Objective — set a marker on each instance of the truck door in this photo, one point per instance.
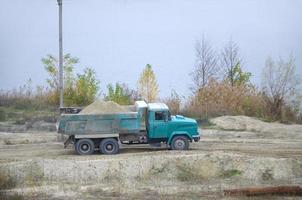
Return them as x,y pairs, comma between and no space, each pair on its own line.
159,124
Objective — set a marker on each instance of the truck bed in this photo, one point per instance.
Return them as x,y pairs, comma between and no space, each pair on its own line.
76,124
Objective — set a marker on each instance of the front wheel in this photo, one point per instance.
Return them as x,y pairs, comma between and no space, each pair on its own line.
180,143
109,146
84,147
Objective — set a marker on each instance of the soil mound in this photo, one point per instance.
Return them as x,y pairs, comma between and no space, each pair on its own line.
105,107
244,123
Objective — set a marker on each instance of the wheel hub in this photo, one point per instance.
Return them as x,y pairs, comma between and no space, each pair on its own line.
85,147
109,147
180,144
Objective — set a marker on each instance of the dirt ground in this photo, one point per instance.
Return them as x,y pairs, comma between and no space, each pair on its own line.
35,165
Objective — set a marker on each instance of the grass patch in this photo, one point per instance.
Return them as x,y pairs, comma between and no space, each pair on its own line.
6,196
230,173
35,177
20,121
20,115
7,141
186,173
26,141
268,175
159,170
2,115
6,181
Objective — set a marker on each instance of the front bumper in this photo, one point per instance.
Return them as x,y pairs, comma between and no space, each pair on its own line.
196,138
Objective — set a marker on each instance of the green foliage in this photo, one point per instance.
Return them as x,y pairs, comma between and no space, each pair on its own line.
2,115
78,90
230,173
268,175
6,180
147,84
87,87
240,77
51,65
118,94
185,173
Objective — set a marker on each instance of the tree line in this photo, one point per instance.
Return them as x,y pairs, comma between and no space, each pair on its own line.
220,86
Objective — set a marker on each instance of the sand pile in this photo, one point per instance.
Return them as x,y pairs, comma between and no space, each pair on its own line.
244,123
105,107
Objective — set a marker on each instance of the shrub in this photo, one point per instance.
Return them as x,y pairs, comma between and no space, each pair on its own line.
174,103
2,115
220,98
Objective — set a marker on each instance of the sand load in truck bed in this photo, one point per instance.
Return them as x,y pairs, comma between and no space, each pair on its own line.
106,107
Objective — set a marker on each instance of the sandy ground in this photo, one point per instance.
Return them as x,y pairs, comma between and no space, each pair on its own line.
36,165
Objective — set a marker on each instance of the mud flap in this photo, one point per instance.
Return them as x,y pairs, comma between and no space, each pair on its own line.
68,141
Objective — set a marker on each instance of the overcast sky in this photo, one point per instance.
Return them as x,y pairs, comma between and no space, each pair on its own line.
118,38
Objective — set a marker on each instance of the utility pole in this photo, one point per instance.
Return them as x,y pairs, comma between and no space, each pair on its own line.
61,55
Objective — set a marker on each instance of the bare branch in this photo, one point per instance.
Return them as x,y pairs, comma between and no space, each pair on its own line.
229,59
205,64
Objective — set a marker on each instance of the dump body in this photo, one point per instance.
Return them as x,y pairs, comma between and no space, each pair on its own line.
78,124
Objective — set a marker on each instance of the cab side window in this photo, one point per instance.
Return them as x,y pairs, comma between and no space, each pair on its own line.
159,115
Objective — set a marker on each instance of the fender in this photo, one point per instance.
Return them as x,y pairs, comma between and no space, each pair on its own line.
179,133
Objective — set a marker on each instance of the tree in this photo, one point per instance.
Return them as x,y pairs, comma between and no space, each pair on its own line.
206,64
87,87
133,94
118,94
51,65
147,85
240,77
80,90
280,85
230,59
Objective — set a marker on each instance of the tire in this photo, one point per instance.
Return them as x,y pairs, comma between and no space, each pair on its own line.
109,146
180,143
84,147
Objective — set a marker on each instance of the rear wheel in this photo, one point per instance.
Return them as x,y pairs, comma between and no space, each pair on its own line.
84,146
180,143
109,146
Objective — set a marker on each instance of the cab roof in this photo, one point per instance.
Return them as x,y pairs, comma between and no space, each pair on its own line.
157,106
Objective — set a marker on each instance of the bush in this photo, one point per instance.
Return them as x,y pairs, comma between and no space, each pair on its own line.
220,98
174,103
2,115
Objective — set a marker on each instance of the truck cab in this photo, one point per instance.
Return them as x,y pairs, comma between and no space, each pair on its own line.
176,131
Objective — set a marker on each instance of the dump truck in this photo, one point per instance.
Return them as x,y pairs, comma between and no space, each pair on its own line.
149,123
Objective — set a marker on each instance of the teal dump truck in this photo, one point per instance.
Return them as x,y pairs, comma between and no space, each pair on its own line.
147,124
